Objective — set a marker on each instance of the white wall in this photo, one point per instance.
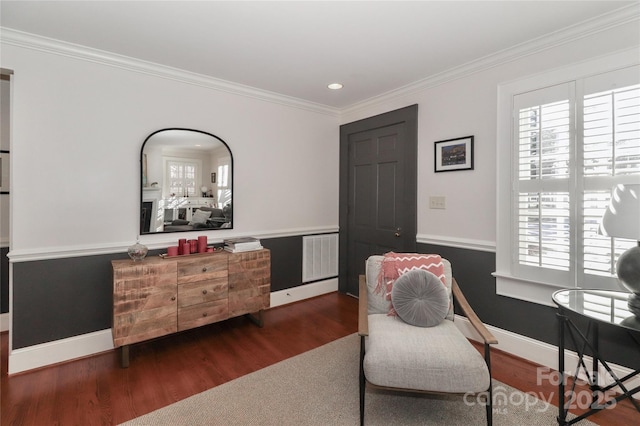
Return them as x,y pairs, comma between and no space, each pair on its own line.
467,105
79,126
77,132
155,166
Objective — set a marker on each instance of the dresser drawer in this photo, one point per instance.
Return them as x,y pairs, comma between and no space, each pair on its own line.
202,291
199,268
202,313
144,300
143,325
249,300
249,270
131,276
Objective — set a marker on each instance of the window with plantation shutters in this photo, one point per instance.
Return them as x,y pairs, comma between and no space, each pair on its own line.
543,204
543,135
224,185
610,154
182,177
570,144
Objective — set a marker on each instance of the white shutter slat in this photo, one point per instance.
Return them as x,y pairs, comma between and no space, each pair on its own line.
544,141
600,252
612,132
544,230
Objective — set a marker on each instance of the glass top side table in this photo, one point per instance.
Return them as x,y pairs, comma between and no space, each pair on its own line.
600,305
597,307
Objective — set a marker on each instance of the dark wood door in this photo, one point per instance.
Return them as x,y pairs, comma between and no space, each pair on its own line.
377,190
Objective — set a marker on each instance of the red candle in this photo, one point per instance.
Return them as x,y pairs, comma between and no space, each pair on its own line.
172,250
181,244
202,244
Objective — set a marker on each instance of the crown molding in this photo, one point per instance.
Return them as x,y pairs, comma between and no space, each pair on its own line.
56,47
613,19
575,32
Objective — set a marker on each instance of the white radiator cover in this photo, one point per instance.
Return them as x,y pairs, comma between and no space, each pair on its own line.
319,257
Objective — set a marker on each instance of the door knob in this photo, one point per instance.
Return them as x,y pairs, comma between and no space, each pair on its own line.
398,232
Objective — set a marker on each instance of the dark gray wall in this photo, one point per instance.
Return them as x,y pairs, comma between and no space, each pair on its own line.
472,269
286,262
61,298
56,299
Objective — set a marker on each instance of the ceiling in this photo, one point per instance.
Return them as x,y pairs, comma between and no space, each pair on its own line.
296,48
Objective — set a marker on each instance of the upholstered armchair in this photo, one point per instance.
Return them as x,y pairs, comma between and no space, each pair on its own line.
429,356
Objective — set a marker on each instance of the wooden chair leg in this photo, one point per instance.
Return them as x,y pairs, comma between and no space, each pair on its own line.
362,381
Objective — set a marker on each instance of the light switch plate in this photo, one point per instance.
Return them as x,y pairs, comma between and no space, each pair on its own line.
437,202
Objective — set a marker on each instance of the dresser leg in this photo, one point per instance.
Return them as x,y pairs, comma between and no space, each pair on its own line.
124,356
256,319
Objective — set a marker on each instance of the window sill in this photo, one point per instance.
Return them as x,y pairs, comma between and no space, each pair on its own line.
540,292
527,290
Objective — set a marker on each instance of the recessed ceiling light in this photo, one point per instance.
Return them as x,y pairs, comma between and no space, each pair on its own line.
335,86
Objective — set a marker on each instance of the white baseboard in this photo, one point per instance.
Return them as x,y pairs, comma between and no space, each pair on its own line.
60,350
5,322
542,353
295,294
92,343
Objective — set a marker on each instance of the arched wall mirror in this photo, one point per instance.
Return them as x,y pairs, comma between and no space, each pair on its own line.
186,182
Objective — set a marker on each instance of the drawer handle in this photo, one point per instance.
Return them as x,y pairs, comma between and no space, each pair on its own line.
204,269
204,315
204,291
173,298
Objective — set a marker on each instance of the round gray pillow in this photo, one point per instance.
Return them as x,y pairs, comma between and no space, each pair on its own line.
420,298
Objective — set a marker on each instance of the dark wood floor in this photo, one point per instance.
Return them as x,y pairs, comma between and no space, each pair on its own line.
96,391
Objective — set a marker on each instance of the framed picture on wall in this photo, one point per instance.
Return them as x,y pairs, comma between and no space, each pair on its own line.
4,172
454,154
213,178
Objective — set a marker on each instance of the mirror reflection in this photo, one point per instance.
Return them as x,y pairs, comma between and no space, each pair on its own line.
186,182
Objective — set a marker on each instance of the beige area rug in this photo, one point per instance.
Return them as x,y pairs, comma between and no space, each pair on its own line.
320,387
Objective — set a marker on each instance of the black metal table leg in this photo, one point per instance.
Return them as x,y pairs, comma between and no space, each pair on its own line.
562,413
595,387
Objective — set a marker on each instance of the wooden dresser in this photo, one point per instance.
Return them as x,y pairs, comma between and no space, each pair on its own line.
155,297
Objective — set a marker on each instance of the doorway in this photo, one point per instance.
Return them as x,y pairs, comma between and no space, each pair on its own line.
378,190
5,197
